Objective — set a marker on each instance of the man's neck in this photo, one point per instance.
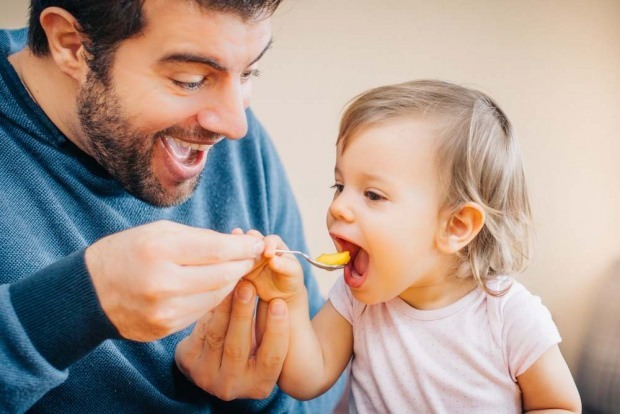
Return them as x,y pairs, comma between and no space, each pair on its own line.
51,89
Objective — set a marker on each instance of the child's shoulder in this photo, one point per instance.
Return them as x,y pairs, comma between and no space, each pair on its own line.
518,312
523,326
511,294
517,308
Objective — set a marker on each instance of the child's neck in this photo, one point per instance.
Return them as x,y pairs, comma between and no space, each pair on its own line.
439,294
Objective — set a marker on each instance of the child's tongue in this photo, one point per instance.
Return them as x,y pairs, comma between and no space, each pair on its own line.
355,274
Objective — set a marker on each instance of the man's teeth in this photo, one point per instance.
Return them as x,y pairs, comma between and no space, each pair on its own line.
197,147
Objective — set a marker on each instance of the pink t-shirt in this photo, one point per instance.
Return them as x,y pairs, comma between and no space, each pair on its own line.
463,358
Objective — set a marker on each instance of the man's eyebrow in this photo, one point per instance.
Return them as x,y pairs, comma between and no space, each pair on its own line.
193,58
260,55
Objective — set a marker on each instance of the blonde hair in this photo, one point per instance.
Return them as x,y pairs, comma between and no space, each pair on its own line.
478,159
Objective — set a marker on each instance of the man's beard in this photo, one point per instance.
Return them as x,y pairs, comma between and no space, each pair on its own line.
124,151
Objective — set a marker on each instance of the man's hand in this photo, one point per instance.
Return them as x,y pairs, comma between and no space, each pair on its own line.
156,279
220,354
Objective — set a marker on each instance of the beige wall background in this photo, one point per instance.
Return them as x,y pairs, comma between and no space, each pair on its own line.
554,67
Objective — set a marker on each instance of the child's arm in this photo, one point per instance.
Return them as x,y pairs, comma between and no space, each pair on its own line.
548,386
318,350
318,353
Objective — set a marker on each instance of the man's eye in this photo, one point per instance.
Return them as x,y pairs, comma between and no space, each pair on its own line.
372,196
189,86
249,74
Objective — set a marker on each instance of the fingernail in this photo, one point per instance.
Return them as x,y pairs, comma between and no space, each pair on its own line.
278,309
259,247
244,293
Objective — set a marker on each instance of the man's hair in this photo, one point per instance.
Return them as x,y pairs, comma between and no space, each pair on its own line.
478,160
106,23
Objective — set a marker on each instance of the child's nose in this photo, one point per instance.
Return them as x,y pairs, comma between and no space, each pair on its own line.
340,209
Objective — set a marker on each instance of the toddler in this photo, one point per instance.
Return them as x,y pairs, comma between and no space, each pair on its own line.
430,200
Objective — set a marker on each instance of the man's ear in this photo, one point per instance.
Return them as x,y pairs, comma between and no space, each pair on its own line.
65,42
459,228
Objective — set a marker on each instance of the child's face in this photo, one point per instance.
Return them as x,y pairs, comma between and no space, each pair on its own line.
386,209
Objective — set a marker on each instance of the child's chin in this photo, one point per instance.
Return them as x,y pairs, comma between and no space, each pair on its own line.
366,298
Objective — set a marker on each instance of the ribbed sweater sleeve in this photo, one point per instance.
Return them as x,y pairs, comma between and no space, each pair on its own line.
47,321
60,312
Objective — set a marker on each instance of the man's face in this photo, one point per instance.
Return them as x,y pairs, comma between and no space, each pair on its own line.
174,91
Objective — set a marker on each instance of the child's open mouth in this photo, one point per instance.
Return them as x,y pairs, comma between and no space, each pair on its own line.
356,271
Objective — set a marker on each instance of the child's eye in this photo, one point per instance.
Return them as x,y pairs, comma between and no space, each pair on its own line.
337,188
373,196
190,86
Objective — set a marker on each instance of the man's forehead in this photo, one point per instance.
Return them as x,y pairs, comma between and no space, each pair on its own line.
177,29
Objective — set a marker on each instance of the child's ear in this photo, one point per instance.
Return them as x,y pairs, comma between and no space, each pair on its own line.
460,228
65,42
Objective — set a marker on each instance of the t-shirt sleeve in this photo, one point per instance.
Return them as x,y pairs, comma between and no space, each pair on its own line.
528,329
341,298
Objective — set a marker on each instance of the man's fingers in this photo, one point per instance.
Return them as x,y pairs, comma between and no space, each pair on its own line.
261,320
189,350
199,333
215,333
194,306
238,344
273,347
195,246
197,279
255,233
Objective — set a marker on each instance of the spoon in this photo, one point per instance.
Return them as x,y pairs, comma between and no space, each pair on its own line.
311,260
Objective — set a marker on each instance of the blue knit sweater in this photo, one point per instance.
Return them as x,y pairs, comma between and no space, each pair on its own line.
58,351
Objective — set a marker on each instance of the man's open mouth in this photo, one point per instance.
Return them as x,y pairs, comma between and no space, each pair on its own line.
184,160
185,152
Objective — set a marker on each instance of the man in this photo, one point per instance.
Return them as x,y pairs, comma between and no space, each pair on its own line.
116,231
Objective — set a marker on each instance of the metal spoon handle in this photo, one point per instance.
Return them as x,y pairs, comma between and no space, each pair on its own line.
311,260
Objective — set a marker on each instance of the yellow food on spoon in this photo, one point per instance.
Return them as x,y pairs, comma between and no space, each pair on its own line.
340,258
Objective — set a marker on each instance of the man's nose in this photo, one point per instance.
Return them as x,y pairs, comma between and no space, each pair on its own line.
224,113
